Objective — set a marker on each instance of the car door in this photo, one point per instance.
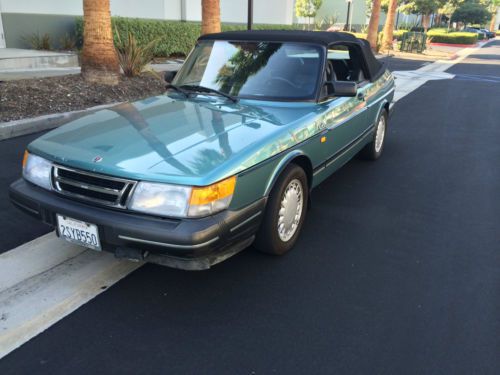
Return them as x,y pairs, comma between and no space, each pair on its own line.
346,119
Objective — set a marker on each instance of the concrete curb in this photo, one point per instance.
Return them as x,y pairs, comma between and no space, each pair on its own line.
17,128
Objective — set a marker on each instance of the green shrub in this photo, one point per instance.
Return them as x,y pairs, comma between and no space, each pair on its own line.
438,30
67,42
359,35
37,41
398,35
133,57
452,38
172,37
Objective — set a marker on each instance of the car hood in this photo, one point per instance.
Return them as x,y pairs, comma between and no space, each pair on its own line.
166,138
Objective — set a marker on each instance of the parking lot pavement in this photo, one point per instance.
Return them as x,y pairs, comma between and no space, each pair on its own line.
394,63
16,227
396,270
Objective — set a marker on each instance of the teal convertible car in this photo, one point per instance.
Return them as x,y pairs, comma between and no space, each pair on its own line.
227,157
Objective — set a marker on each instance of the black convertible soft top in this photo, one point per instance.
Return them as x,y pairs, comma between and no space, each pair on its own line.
325,38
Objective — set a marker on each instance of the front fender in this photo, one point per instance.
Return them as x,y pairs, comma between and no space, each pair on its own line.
284,162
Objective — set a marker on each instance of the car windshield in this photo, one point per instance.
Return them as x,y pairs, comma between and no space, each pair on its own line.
257,70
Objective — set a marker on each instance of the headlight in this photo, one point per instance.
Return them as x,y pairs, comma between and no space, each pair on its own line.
37,170
182,201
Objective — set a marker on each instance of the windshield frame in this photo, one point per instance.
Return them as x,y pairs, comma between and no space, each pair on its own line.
319,77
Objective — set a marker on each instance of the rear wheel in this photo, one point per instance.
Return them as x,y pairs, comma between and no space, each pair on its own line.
285,212
374,149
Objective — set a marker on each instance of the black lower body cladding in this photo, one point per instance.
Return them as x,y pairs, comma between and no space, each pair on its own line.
191,244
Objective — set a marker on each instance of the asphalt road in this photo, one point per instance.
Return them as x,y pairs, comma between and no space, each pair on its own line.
396,270
17,228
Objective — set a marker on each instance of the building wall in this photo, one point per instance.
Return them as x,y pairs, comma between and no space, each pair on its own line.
235,11
18,26
338,9
265,11
56,17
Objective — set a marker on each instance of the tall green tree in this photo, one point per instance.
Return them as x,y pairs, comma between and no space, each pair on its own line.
424,7
471,12
307,9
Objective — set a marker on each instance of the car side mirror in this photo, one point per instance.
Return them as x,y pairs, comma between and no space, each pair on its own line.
342,88
170,75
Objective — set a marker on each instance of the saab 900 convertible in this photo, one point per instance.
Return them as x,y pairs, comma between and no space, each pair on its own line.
225,158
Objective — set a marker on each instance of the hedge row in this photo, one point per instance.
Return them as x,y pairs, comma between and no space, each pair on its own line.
173,37
452,38
397,34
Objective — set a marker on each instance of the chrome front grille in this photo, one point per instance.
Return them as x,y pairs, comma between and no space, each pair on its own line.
93,187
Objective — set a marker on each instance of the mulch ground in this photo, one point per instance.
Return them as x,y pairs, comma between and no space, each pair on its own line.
34,97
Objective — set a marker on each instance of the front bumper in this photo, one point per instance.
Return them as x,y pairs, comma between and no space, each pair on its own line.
191,244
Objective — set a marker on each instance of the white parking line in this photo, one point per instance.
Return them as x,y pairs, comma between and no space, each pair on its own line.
409,81
56,279
46,279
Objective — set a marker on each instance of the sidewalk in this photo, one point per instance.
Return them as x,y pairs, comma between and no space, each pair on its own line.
23,73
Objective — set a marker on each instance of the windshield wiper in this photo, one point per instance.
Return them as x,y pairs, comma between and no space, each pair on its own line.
198,88
177,88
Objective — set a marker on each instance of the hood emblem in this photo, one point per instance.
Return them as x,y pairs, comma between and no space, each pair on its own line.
97,159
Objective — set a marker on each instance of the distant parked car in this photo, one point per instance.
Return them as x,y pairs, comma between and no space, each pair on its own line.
251,123
488,33
476,31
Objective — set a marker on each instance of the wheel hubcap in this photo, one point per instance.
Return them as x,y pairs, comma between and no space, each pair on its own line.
290,210
379,137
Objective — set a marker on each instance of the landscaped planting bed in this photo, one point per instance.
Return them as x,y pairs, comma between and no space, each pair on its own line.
34,97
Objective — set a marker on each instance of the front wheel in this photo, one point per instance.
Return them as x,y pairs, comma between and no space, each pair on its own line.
285,212
373,150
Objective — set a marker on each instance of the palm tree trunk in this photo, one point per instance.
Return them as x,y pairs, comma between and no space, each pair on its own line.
210,16
426,18
373,24
99,59
389,26
493,19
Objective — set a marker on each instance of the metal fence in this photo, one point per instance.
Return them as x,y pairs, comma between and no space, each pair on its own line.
413,42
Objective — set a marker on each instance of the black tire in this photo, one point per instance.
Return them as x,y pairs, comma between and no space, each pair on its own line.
268,240
370,151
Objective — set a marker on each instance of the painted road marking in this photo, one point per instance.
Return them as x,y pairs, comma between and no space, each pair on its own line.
44,293
409,81
46,279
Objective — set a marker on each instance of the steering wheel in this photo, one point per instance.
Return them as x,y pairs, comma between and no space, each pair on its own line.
281,79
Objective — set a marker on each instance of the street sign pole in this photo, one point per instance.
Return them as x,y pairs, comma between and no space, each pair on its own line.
348,21
250,14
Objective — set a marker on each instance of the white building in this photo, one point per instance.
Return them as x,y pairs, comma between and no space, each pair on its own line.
56,17
22,17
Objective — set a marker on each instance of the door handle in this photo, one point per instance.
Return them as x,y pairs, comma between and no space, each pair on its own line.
361,96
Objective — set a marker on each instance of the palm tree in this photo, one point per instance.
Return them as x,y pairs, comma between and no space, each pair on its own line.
210,16
389,26
373,24
99,59
494,9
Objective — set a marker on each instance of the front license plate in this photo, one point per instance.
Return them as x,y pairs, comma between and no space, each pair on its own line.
78,232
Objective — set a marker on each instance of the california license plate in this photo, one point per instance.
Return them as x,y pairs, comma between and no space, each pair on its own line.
78,232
